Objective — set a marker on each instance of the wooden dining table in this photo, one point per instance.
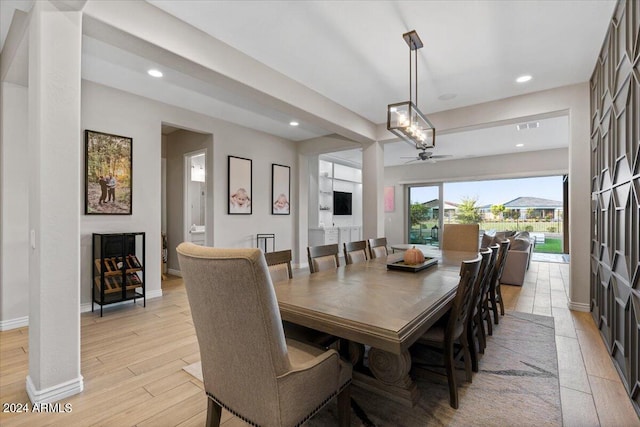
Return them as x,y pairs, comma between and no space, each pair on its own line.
371,305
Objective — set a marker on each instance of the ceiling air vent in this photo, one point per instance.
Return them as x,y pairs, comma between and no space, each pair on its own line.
530,125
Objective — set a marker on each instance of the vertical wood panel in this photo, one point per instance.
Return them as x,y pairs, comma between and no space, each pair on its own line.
615,172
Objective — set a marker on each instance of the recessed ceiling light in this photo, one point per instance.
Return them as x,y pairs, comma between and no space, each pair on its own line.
293,123
524,78
519,145
447,96
155,73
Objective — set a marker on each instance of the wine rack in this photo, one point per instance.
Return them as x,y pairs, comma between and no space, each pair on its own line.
118,268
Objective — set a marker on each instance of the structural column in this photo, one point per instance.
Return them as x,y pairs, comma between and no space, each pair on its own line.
372,190
54,202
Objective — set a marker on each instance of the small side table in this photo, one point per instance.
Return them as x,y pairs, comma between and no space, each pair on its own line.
263,241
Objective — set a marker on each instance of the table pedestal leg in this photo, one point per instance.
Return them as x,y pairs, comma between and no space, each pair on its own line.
391,376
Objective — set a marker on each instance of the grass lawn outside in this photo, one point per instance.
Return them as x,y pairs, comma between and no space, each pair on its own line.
550,246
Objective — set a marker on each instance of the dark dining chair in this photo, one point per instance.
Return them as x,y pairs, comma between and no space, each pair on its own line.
248,366
495,294
453,327
355,252
279,264
323,257
378,247
484,312
475,330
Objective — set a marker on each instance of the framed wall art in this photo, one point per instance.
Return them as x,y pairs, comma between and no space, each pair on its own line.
389,199
108,174
239,186
280,189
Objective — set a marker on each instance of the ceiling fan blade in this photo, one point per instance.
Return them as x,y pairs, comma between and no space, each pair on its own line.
411,161
441,156
410,157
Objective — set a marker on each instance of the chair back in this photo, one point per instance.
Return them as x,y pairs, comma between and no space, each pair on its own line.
484,276
502,259
355,252
462,301
279,264
323,257
378,247
491,268
238,325
460,237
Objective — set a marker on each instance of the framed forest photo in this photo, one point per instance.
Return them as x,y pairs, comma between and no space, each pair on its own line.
108,174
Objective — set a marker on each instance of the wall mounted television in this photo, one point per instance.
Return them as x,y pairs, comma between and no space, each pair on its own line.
341,203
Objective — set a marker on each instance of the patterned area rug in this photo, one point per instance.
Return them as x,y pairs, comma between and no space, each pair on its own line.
517,384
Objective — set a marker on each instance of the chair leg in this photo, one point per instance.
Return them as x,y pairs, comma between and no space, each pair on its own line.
467,356
494,305
482,338
451,374
344,407
487,316
214,412
499,292
473,349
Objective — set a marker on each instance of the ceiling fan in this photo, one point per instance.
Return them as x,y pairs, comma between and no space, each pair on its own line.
426,156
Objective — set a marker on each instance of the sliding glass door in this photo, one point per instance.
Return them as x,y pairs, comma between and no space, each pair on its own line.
425,214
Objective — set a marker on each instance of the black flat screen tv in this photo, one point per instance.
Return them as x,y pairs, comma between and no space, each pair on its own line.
341,203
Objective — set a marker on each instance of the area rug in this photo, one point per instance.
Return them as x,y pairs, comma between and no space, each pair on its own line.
517,384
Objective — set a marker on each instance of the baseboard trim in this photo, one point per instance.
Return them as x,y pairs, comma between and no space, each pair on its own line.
174,272
55,393
579,306
150,295
18,322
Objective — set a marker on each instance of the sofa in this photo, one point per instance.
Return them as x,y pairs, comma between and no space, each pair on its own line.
518,257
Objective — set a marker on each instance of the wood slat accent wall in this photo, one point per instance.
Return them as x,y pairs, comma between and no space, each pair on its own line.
615,189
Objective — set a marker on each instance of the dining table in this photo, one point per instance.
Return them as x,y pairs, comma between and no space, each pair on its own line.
378,310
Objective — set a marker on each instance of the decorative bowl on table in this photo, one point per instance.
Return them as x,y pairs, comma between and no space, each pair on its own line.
403,266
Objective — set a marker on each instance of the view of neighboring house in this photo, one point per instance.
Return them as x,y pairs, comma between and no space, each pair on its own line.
449,209
529,208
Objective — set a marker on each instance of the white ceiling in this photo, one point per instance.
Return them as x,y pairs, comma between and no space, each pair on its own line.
353,53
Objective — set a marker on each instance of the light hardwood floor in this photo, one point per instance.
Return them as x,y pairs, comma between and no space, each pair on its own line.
132,360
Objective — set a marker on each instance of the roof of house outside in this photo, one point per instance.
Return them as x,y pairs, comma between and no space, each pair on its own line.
532,202
436,202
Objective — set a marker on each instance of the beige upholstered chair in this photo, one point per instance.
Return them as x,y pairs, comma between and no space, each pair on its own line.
355,252
322,257
460,237
445,333
248,367
378,247
279,263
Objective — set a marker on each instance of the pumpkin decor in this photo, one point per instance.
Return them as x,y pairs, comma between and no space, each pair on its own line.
413,256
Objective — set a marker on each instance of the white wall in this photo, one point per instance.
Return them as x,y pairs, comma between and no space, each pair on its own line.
113,111
534,163
14,228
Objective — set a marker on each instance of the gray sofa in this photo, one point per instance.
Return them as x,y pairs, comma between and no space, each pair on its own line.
518,257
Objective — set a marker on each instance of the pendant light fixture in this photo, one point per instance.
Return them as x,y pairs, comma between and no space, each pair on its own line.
404,119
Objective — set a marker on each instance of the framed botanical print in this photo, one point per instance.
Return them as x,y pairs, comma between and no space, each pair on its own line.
239,186
280,189
108,174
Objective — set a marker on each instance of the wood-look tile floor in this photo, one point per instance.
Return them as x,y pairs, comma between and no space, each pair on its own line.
132,360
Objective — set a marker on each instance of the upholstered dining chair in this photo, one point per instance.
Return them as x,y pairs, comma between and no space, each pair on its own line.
355,252
453,327
495,294
475,329
460,237
323,257
378,247
279,264
248,367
